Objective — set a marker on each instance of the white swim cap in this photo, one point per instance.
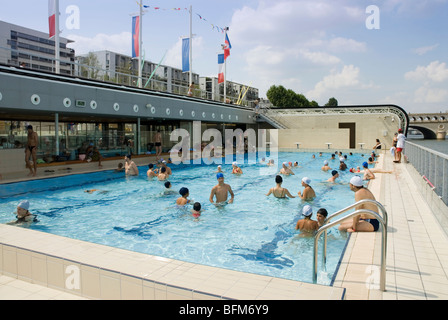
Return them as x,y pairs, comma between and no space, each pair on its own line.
235,163
356,181
307,211
325,162
306,180
24,204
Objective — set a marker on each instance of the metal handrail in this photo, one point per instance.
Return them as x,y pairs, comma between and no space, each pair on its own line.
382,220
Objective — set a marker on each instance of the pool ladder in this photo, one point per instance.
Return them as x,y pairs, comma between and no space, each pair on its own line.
327,224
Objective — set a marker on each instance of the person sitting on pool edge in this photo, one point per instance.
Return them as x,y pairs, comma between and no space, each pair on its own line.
183,200
306,225
308,192
278,191
221,191
362,222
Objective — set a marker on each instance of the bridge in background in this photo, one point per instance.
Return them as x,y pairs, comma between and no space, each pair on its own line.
431,125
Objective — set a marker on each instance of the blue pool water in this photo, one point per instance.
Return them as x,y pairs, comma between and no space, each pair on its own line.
254,234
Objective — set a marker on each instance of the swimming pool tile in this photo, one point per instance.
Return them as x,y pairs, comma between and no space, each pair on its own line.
131,288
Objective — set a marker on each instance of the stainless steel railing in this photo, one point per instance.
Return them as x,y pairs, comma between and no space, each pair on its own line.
327,224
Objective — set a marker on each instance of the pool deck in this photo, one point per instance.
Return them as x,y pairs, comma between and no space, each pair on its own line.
416,264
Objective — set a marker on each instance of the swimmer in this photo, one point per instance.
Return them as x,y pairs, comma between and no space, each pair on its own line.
168,169
278,191
151,171
286,170
120,168
162,174
219,169
326,167
342,165
196,211
183,200
321,216
263,160
168,190
94,190
296,164
368,175
22,214
221,191
335,175
130,167
308,192
236,169
270,163
307,225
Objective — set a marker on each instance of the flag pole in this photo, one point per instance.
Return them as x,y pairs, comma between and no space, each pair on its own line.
57,40
140,67
225,71
191,45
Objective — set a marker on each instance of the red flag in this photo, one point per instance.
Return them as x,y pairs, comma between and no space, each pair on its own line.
227,47
52,17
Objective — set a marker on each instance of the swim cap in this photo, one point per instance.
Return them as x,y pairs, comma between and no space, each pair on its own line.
307,211
183,191
235,164
365,164
24,204
306,180
325,162
334,172
219,175
167,184
356,181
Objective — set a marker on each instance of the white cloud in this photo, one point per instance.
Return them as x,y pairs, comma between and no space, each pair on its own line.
435,72
348,77
423,50
120,43
427,94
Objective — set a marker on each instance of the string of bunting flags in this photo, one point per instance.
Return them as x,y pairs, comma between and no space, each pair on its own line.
200,17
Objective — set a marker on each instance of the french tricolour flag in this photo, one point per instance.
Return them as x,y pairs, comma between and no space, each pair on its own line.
221,68
135,36
52,17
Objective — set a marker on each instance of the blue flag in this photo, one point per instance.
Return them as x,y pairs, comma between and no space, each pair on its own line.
186,55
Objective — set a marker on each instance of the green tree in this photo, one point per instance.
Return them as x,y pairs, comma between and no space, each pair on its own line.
332,102
280,97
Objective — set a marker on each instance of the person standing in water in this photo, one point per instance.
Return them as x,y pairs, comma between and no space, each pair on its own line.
221,191
278,191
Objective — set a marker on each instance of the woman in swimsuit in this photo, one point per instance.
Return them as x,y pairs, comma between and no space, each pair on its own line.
278,191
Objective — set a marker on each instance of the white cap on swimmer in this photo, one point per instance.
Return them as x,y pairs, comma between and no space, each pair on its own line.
307,211
24,204
356,181
235,163
306,180
325,162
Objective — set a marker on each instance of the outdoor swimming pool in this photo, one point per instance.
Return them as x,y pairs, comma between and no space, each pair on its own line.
254,234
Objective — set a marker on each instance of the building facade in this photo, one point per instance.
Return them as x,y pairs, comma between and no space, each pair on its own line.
31,49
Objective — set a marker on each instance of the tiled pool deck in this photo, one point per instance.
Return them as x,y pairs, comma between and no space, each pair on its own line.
36,265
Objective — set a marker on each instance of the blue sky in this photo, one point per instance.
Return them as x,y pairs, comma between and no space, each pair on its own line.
320,48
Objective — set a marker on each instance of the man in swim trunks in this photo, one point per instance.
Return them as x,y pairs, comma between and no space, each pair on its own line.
221,191
31,151
362,222
158,144
130,168
308,192
183,200
278,191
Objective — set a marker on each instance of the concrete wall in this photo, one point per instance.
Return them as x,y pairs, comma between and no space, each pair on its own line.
314,131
